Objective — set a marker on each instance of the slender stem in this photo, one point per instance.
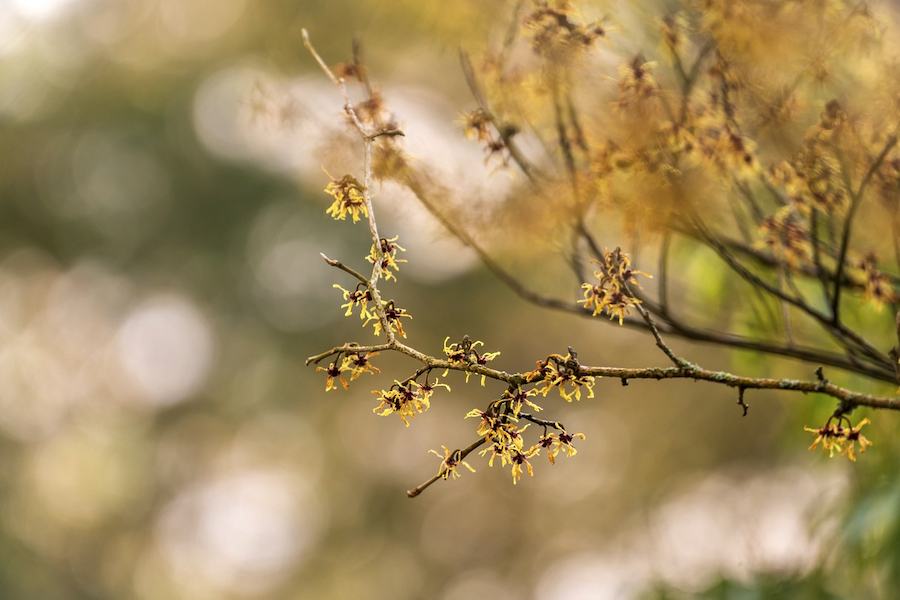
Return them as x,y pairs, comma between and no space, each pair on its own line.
339,265
461,455
855,200
653,329
530,171
837,329
367,139
664,273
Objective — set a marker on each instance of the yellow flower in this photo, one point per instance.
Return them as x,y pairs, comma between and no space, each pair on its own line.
489,423
392,315
450,463
557,371
520,459
636,82
389,258
349,197
401,399
333,372
457,351
476,125
360,296
611,294
497,450
554,443
517,398
853,436
358,363
828,436
835,438
464,352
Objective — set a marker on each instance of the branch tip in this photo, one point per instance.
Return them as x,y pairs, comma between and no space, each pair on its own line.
741,402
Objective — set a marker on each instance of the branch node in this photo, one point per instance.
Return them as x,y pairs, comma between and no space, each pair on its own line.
741,402
845,406
820,375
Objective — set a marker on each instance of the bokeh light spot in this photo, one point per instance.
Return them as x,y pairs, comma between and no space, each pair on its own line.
166,346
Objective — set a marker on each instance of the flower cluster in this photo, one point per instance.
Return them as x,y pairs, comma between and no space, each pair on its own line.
476,125
499,427
449,463
814,176
878,286
334,371
392,315
356,363
786,234
349,198
553,31
504,435
559,372
406,399
515,397
553,443
361,296
389,259
612,294
836,438
464,352
636,82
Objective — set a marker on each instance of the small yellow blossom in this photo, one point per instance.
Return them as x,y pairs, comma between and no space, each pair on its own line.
392,315
450,462
360,296
349,198
464,352
853,436
389,259
554,443
636,82
516,398
334,372
835,438
879,290
559,371
520,459
358,363
489,423
611,293
402,400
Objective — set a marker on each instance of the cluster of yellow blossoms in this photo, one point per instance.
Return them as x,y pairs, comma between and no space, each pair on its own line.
464,353
356,363
349,198
406,399
558,371
836,438
611,294
499,425
389,260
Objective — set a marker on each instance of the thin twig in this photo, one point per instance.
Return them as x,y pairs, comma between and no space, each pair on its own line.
530,171
664,273
460,456
339,265
651,324
855,200
838,330
367,138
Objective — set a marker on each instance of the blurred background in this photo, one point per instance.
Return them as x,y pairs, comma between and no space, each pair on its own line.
161,221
